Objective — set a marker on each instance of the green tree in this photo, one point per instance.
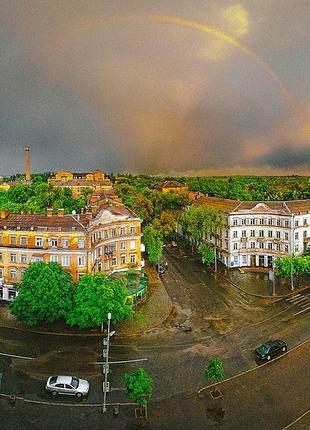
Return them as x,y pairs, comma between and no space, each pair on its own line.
207,253
214,370
94,297
139,386
143,207
167,223
45,294
152,239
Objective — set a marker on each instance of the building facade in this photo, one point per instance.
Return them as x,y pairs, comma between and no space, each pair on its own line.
78,182
108,241
257,233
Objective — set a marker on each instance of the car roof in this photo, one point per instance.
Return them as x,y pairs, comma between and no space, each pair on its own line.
63,379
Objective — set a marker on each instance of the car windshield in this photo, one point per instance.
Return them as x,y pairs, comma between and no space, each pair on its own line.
74,382
264,349
53,379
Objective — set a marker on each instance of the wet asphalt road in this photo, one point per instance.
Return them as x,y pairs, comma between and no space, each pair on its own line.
223,322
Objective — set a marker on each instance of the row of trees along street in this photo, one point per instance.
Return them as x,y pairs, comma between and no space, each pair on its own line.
47,294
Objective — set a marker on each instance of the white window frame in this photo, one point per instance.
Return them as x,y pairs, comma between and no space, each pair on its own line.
39,241
65,260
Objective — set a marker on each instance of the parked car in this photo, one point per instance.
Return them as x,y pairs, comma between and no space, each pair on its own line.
67,385
270,349
160,268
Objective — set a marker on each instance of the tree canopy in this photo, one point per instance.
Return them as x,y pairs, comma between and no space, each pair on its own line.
94,297
139,386
207,253
296,266
45,294
153,241
214,370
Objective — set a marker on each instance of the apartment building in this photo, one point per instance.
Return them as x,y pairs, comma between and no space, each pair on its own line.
109,241
257,233
78,182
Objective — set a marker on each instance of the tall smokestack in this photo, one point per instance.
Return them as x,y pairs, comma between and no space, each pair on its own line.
27,157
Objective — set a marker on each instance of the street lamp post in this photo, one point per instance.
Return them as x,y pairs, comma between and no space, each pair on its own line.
106,369
215,261
292,253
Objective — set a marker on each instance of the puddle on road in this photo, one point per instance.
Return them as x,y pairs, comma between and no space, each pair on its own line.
215,413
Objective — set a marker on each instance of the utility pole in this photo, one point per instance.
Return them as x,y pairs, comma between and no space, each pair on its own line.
106,343
292,253
215,261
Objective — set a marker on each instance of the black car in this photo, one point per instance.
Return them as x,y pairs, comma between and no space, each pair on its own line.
160,268
270,349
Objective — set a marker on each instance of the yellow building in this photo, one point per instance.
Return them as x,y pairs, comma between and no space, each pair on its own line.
172,186
108,241
78,182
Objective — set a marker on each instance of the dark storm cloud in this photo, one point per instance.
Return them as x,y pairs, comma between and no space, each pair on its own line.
151,97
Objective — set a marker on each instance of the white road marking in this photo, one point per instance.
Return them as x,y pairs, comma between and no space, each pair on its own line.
305,304
16,356
291,299
300,312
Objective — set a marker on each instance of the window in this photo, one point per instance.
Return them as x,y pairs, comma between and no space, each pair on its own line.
22,272
236,259
65,260
23,240
277,246
243,222
132,244
81,261
235,245
305,234
65,243
13,273
54,243
123,231
235,221
243,245
38,258
1,257
296,235
106,235
261,233
132,230
13,258
261,221
278,234
1,273
305,221
286,223
123,245
23,258
123,259
114,261
132,258
252,221
270,221
252,233
270,233
296,248
269,245
252,245
226,244
113,231
81,242
0,239
12,240
243,234
261,245
286,235
54,258
235,234
286,248
296,223
278,222
39,241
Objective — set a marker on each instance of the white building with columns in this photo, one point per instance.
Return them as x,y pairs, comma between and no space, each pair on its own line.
256,233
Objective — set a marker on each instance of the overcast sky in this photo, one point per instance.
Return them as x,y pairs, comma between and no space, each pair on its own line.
99,84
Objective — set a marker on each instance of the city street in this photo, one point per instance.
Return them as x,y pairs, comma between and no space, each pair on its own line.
210,318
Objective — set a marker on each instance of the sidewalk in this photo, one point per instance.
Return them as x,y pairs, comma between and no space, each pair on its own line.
147,316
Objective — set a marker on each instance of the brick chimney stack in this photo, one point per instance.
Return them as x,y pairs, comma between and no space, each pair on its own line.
27,157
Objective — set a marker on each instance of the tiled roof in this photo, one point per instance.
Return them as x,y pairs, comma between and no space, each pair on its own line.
263,207
224,205
174,184
119,209
299,206
35,222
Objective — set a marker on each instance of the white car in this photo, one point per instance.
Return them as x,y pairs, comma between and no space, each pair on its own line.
67,385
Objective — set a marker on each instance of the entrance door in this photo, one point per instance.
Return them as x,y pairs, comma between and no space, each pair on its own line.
270,262
261,260
253,260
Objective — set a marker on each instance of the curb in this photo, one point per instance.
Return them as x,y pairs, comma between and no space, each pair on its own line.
296,420
254,368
